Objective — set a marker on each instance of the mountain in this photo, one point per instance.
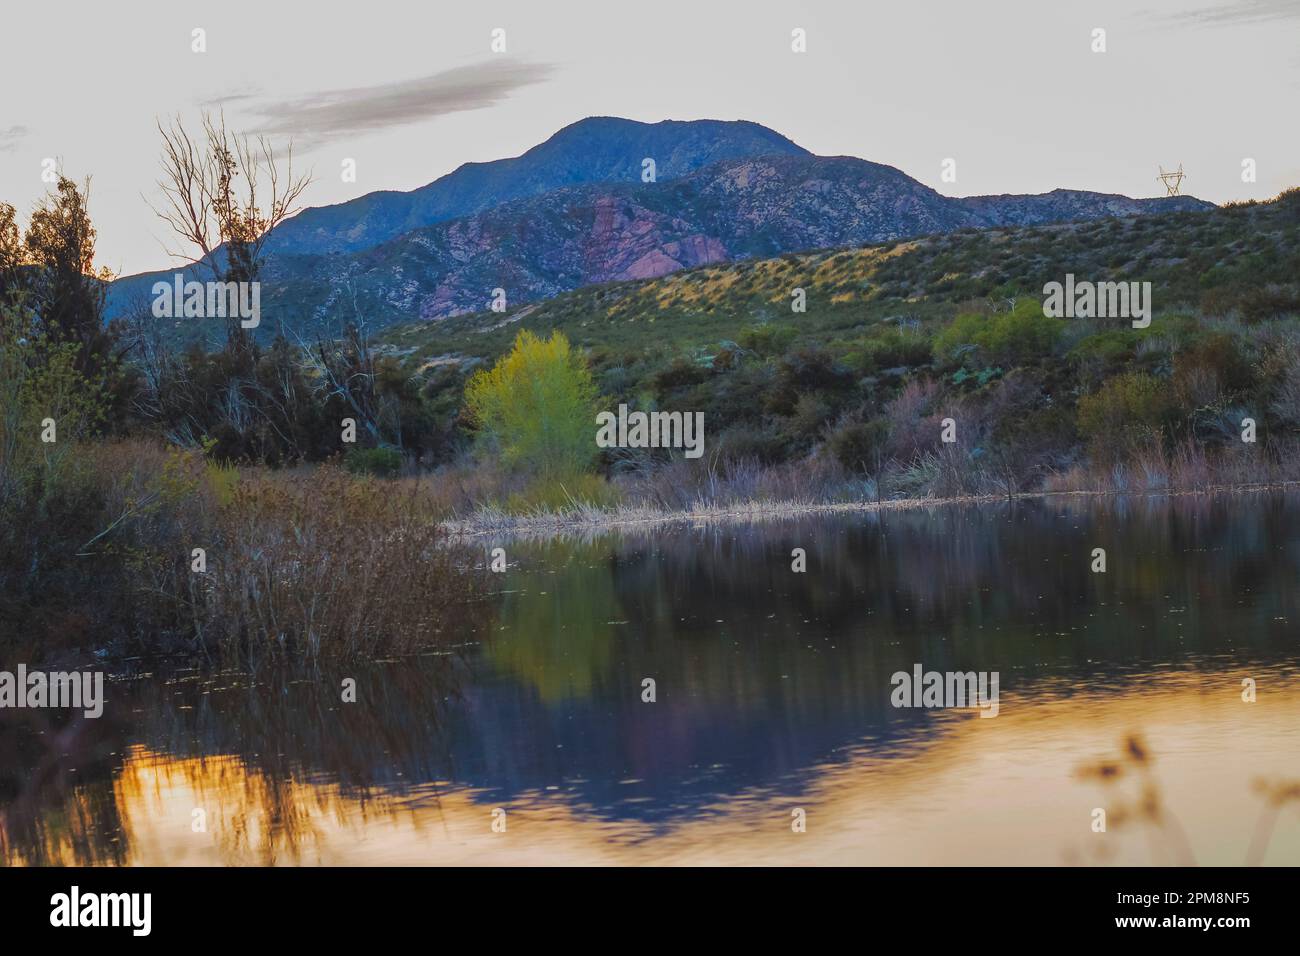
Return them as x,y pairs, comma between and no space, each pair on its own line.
600,149
597,149
574,211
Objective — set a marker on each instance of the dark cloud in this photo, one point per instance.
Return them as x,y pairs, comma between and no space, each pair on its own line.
11,137
313,119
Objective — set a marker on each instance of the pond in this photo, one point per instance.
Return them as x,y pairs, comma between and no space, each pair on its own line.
1162,692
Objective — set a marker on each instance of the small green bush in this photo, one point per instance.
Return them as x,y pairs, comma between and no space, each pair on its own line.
1018,337
1127,409
891,348
379,462
768,339
1112,347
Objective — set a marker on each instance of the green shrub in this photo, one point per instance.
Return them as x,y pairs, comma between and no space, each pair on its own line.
1269,302
1218,355
891,348
379,462
750,442
807,370
980,377
682,373
1112,347
1127,409
961,336
859,446
768,339
1018,337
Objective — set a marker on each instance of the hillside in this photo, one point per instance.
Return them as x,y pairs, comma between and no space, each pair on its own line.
945,322
1189,255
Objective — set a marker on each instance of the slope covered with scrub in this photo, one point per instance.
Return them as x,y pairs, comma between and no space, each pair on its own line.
896,337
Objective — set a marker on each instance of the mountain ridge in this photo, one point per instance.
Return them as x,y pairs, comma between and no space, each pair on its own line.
580,214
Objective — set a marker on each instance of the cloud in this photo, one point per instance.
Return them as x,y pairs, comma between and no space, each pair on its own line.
1243,11
224,98
311,120
11,137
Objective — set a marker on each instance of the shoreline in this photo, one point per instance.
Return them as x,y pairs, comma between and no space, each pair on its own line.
592,519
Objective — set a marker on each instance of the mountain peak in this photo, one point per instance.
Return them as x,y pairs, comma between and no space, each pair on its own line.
598,149
733,134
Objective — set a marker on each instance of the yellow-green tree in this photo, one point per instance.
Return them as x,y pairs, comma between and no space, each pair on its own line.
537,407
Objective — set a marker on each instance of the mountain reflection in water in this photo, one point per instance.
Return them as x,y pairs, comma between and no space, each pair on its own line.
773,693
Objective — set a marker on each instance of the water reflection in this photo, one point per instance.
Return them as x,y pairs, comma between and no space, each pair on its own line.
773,693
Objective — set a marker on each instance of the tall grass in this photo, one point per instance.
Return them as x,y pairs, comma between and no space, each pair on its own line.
328,566
310,563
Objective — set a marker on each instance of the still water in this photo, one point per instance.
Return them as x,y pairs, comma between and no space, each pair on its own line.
772,696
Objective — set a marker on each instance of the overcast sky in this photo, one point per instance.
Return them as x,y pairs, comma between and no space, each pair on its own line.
1010,89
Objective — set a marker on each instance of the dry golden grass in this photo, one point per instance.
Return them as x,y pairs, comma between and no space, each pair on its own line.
328,565
590,520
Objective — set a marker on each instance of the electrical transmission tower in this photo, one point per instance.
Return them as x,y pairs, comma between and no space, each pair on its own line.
1172,180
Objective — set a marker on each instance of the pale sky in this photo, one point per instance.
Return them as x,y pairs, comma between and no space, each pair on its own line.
1009,89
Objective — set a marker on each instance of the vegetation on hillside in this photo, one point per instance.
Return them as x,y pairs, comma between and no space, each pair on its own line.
896,338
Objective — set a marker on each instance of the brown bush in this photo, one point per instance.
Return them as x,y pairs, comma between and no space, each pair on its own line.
333,566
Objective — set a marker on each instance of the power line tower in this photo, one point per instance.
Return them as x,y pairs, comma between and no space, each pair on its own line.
1172,180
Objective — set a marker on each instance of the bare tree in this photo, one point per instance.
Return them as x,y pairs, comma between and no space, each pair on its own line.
225,193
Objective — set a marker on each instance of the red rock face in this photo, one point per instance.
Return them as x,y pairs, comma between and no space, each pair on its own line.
608,221
628,241
691,251
652,265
